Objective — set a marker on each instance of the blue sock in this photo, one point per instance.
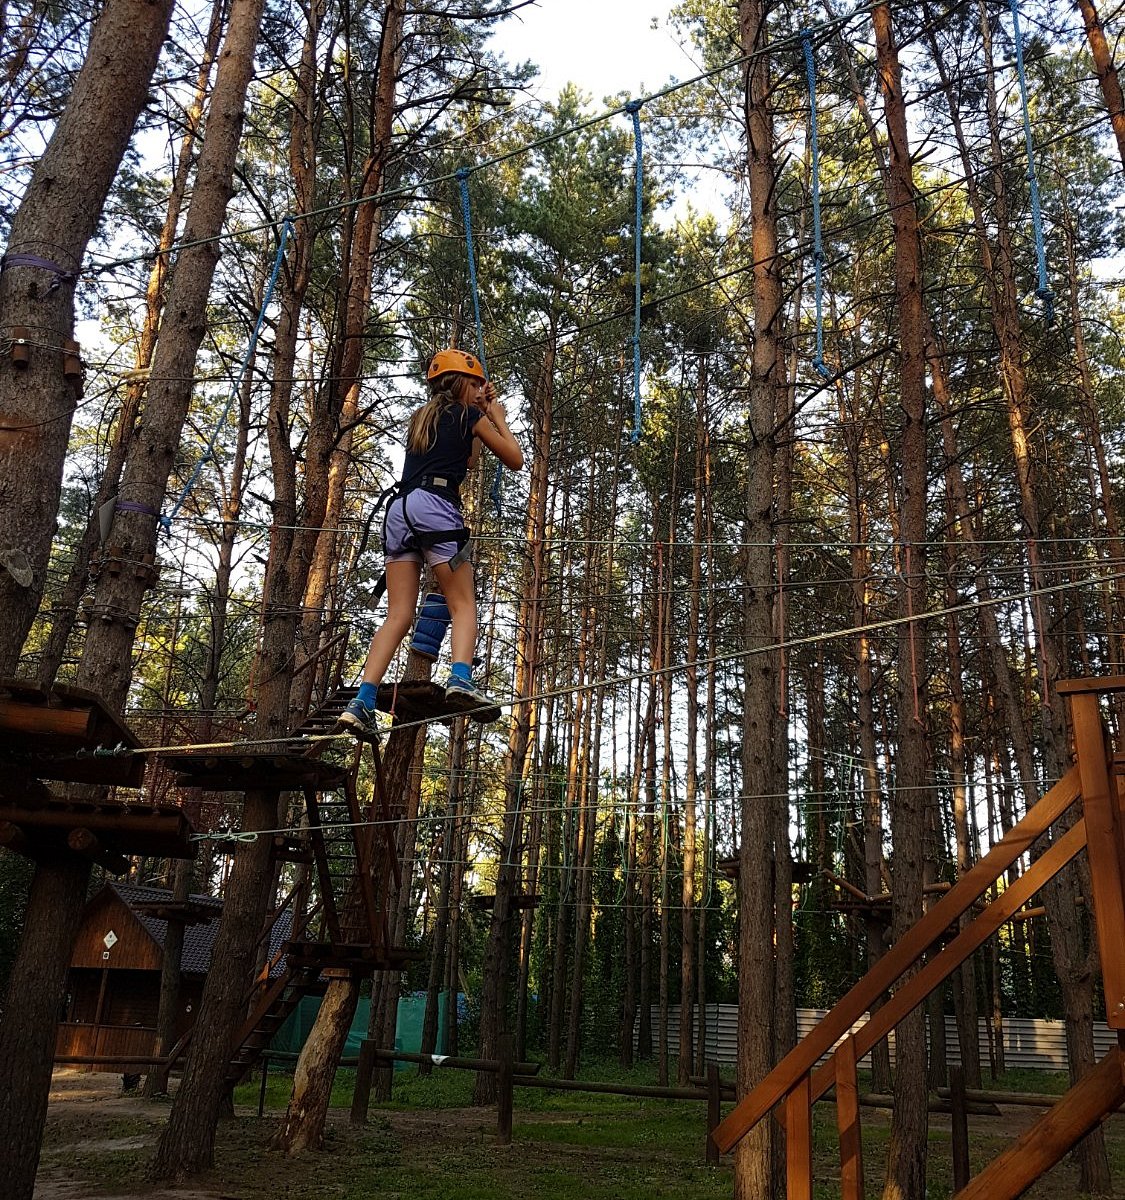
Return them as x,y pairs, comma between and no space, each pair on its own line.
367,694
461,670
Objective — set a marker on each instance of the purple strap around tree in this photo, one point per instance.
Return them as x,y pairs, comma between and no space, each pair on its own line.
61,275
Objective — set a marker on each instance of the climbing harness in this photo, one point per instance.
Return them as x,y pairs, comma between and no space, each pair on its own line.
633,108
818,245
1043,290
421,539
495,493
236,383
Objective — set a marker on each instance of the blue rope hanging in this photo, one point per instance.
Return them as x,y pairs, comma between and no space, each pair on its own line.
634,110
818,244
495,493
252,345
1043,291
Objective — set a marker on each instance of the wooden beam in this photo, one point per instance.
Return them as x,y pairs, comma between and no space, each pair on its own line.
1091,686
77,723
898,959
971,938
1091,1099
83,842
1100,806
848,1122
798,1143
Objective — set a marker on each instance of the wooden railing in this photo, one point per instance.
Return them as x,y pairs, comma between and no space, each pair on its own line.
797,1082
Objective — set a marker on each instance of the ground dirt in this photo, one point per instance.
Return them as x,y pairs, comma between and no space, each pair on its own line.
98,1144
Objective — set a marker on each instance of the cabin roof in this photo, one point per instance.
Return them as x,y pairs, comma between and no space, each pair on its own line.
198,937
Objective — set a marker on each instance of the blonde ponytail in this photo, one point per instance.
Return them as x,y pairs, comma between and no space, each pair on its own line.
421,433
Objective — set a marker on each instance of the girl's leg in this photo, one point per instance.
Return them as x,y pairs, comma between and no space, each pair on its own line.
457,587
403,577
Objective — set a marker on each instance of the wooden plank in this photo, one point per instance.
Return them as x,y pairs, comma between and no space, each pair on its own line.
798,1142
323,871
898,959
1099,803
1095,685
365,868
848,1122
971,938
17,718
1053,1135
959,1127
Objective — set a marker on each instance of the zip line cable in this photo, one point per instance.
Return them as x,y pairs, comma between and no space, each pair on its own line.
815,639
537,143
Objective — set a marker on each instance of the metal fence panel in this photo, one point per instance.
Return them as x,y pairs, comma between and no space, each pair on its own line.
1033,1044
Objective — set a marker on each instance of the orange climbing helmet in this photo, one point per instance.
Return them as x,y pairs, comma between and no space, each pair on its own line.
454,360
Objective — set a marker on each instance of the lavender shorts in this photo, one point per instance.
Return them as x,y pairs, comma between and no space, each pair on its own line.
427,511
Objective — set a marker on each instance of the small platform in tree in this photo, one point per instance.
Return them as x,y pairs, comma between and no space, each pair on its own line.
63,733
408,701
243,771
43,826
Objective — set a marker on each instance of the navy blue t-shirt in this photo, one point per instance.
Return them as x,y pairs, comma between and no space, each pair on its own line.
448,456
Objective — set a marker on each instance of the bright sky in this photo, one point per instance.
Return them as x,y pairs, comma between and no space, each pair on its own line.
604,46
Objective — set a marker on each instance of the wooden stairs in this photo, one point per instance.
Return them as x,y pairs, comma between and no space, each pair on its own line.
1096,784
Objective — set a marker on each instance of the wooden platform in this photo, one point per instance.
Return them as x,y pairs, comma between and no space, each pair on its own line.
412,700
357,957
246,772
104,832
64,733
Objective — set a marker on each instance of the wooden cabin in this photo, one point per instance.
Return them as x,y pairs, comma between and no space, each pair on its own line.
113,982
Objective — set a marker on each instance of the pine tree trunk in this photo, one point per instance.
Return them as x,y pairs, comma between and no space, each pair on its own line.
685,1062
1106,72
31,1013
757,827
156,1082
302,1128
64,609
906,1165
187,1144
106,665
56,218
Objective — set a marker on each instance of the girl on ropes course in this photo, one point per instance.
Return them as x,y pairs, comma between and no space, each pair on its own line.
424,520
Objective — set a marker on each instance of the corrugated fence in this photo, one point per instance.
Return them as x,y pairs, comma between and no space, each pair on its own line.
1037,1045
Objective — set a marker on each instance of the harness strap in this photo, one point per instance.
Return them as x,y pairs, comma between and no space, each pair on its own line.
420,539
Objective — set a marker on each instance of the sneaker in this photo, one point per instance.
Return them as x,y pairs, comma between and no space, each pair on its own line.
358,718
463,694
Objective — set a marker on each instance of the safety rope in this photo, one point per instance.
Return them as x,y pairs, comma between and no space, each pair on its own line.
633,108
818,244
495,493
814,639
1043,291
236,382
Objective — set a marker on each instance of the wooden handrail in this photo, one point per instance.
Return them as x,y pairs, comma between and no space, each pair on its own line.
971,938
899,959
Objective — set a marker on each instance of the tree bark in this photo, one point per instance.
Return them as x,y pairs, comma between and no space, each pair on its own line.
906,1163
1106,71
55,221
106,664
64,609
302,1128
757,826
31,1014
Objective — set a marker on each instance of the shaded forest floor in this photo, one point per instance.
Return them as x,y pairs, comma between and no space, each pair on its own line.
429,1144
